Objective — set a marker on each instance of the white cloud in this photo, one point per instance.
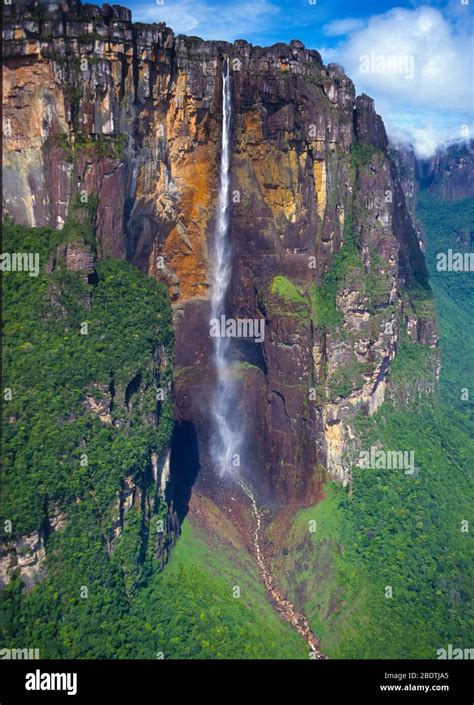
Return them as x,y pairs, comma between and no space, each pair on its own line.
416,63
425,140
339,27
211,20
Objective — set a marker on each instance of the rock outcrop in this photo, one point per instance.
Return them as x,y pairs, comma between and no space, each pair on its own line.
323,245
26,555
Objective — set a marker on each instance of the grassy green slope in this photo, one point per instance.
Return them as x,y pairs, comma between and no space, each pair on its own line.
191,610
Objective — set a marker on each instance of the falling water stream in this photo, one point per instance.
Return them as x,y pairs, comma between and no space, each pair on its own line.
226,440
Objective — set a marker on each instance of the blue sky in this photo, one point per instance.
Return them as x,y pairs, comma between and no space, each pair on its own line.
261,22
413,57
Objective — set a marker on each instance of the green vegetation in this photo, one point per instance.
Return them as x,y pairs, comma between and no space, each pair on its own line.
186,611
362,154
347,378
346,263
454,294
112,146
395,530
243,368
61,140
287,291
287,300
414,364
348,271
377,282
59,457
51,367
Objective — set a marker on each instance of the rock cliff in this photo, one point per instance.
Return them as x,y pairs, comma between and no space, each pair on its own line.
324,249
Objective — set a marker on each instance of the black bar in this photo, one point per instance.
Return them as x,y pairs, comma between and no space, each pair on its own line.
170,681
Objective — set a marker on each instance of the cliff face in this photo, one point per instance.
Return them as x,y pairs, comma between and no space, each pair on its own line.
323,246
409,173
449,174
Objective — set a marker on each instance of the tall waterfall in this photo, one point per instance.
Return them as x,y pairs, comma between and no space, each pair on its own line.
225,442
226,439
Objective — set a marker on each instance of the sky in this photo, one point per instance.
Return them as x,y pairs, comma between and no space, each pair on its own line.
414,58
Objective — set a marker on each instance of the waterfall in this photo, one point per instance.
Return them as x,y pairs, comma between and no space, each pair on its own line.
226,437
225,442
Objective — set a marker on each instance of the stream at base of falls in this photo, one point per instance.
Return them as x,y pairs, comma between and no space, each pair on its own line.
283,606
